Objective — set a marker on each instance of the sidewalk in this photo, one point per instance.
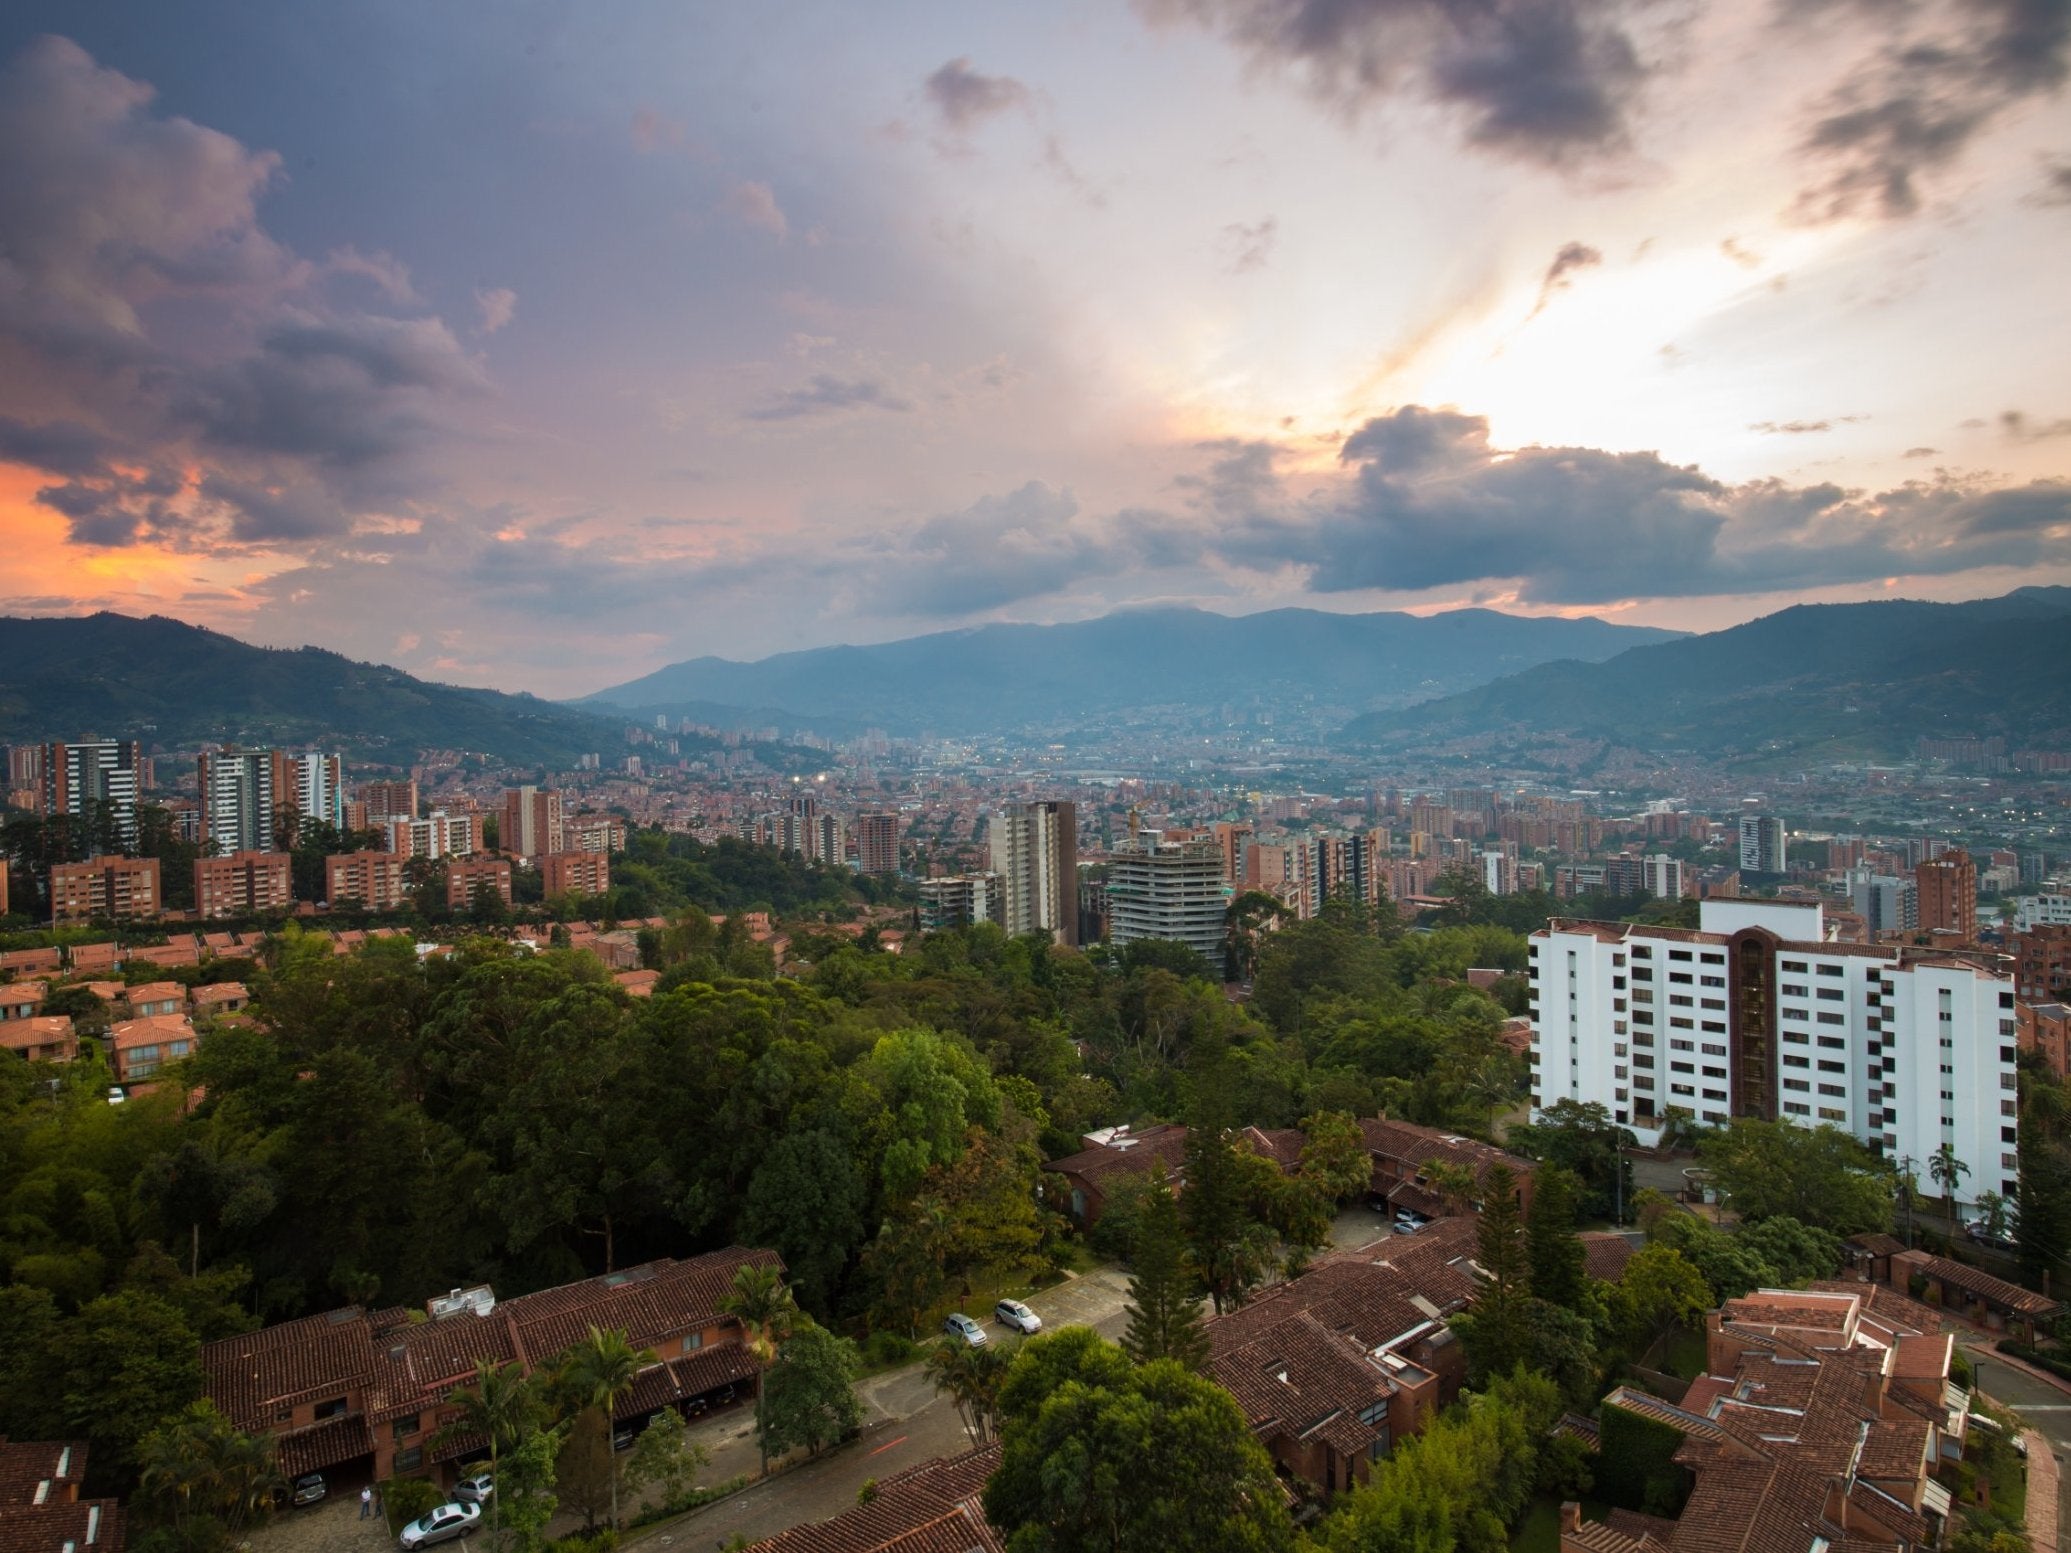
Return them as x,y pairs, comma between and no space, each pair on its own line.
2043,1490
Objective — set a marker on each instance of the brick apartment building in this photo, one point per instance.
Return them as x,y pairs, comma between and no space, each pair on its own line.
387,801
2043,1027
593,833
877,843
40,1507
105,889
575,873
2042,963
1947,889
3,886
531,826
374,879
465,875
362,1393
243,884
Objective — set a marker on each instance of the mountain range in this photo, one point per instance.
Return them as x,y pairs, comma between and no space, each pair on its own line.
178,685
1813,682
996,678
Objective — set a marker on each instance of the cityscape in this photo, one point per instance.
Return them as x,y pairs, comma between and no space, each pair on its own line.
1245,775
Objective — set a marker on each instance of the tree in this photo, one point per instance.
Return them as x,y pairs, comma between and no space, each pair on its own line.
971,1376
1335,1156
501,1406
1816,1175
806,1201
1993,1214
1454,1185
1164,1311
129,1362
666,1458
525,1487
1660,1289
1948,1172
598,1371
1497,1332
811,1399
204,1480
1102,1456
1582,1137
1558,1274
762,1303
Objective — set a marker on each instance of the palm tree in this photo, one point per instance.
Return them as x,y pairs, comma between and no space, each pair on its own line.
972,1378
762,1303
1493,1085
1948,1172
501,1405
200,1467
600,1369
1454,1185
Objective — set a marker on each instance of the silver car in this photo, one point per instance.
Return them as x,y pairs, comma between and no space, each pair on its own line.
441,1525
961,1328
477,1489
1012,1313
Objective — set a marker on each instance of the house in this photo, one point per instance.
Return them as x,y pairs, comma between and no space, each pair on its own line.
40,1507
31,962
1334,1366
180,951
223,997
639,984
94,957
140,1047
936,1507
21,1000
1974,1295
1111,1154
1604,1254
1404,1154
156,998
365,1392
47,1038
1819,1423
107,991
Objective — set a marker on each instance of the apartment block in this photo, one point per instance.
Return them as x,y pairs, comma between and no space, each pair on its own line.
237,800
373,879
389,800
310,786
438,834
958,902
243,883
4,870
2049,909
1946,888
1663,876
593,833
1758,1013
1761,844
2044,1028
575,873
105,889
531,823
465,876
1035,852
877,843
1168,890
77,778
1885,902
2042,963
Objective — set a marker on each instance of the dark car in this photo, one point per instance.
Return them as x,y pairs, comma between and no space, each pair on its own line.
309,1488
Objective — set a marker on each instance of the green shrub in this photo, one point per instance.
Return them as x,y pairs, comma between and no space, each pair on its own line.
883,1349
404,1499
1635,1465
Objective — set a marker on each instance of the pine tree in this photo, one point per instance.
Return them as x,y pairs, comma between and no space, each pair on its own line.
1499,1329
1558,1275
1164,1315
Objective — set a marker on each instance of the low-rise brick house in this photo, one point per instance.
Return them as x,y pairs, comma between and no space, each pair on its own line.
46,1038
156,998
21,1000
1333,1367
1087,1177
40,1507
140,1047
222,997
935,1507
1820,1422
31,962
363,1392
1403,1154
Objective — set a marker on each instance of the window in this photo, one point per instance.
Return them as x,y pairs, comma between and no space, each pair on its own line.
1715,1094
409,1460
1833,1067
1642,973
1833,970
1682,1089
1679,1000
1642,994
1833,994
1794,965
1711,1050
1714,1072
1681,978
1682,1046
1680,1024
1796,1013
1642,952
1679,954
1790,991
1715,1026
1795,1037
1792,1108
1826,1114
1790,1061
1802,1086
696,1340
1717,1003
1836,1090
402,1428
335,1408
1826,1018
1682,1067
1711,981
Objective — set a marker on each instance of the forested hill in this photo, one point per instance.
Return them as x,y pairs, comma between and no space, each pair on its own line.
1000,677
175,684
1829,681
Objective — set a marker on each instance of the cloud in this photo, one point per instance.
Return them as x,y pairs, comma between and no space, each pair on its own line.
2056,182
1550,81
1572,257
191,381
497,307
1803,428
827,394
1428,502
1925,95
1740,253
755,205
1921,452
1246,246
2021,428
964,98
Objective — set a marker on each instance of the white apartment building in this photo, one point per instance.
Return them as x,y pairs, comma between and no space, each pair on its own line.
1662,876
2045,910
1035,853
1761,844
1756,1014
438,834
1172,890
237,800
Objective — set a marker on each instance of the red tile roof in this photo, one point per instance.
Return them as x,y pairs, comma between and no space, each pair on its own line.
931,1508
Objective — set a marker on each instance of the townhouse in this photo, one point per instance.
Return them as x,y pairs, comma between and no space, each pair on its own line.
40,1507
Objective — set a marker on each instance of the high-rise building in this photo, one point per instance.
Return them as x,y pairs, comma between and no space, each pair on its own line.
1885,902
1761,844
237,800
2049,909
243,883
466,877
1947,888
104,888
877,843
1035,852
310,786
389,800
958,902
438,834
1234,838
1662,876
1756,1014
2042,963
1168,890
373,879
77,778
575,873
531,823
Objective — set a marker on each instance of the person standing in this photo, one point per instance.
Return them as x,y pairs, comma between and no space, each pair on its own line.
366,1503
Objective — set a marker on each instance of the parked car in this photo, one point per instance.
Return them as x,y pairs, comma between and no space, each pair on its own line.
962,1326
441,1525
1012,1313
623,1436
478,1489
1407,1226
309,1488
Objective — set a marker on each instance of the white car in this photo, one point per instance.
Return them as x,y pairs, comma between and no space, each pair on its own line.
478,1489
962,1329
446,1522
1012,1313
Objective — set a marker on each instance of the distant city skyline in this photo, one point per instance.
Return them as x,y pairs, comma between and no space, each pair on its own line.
539,347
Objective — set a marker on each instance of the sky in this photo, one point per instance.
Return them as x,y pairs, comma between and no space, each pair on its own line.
539,343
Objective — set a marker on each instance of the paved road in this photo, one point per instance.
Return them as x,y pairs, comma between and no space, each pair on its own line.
906,1421
2046,1408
